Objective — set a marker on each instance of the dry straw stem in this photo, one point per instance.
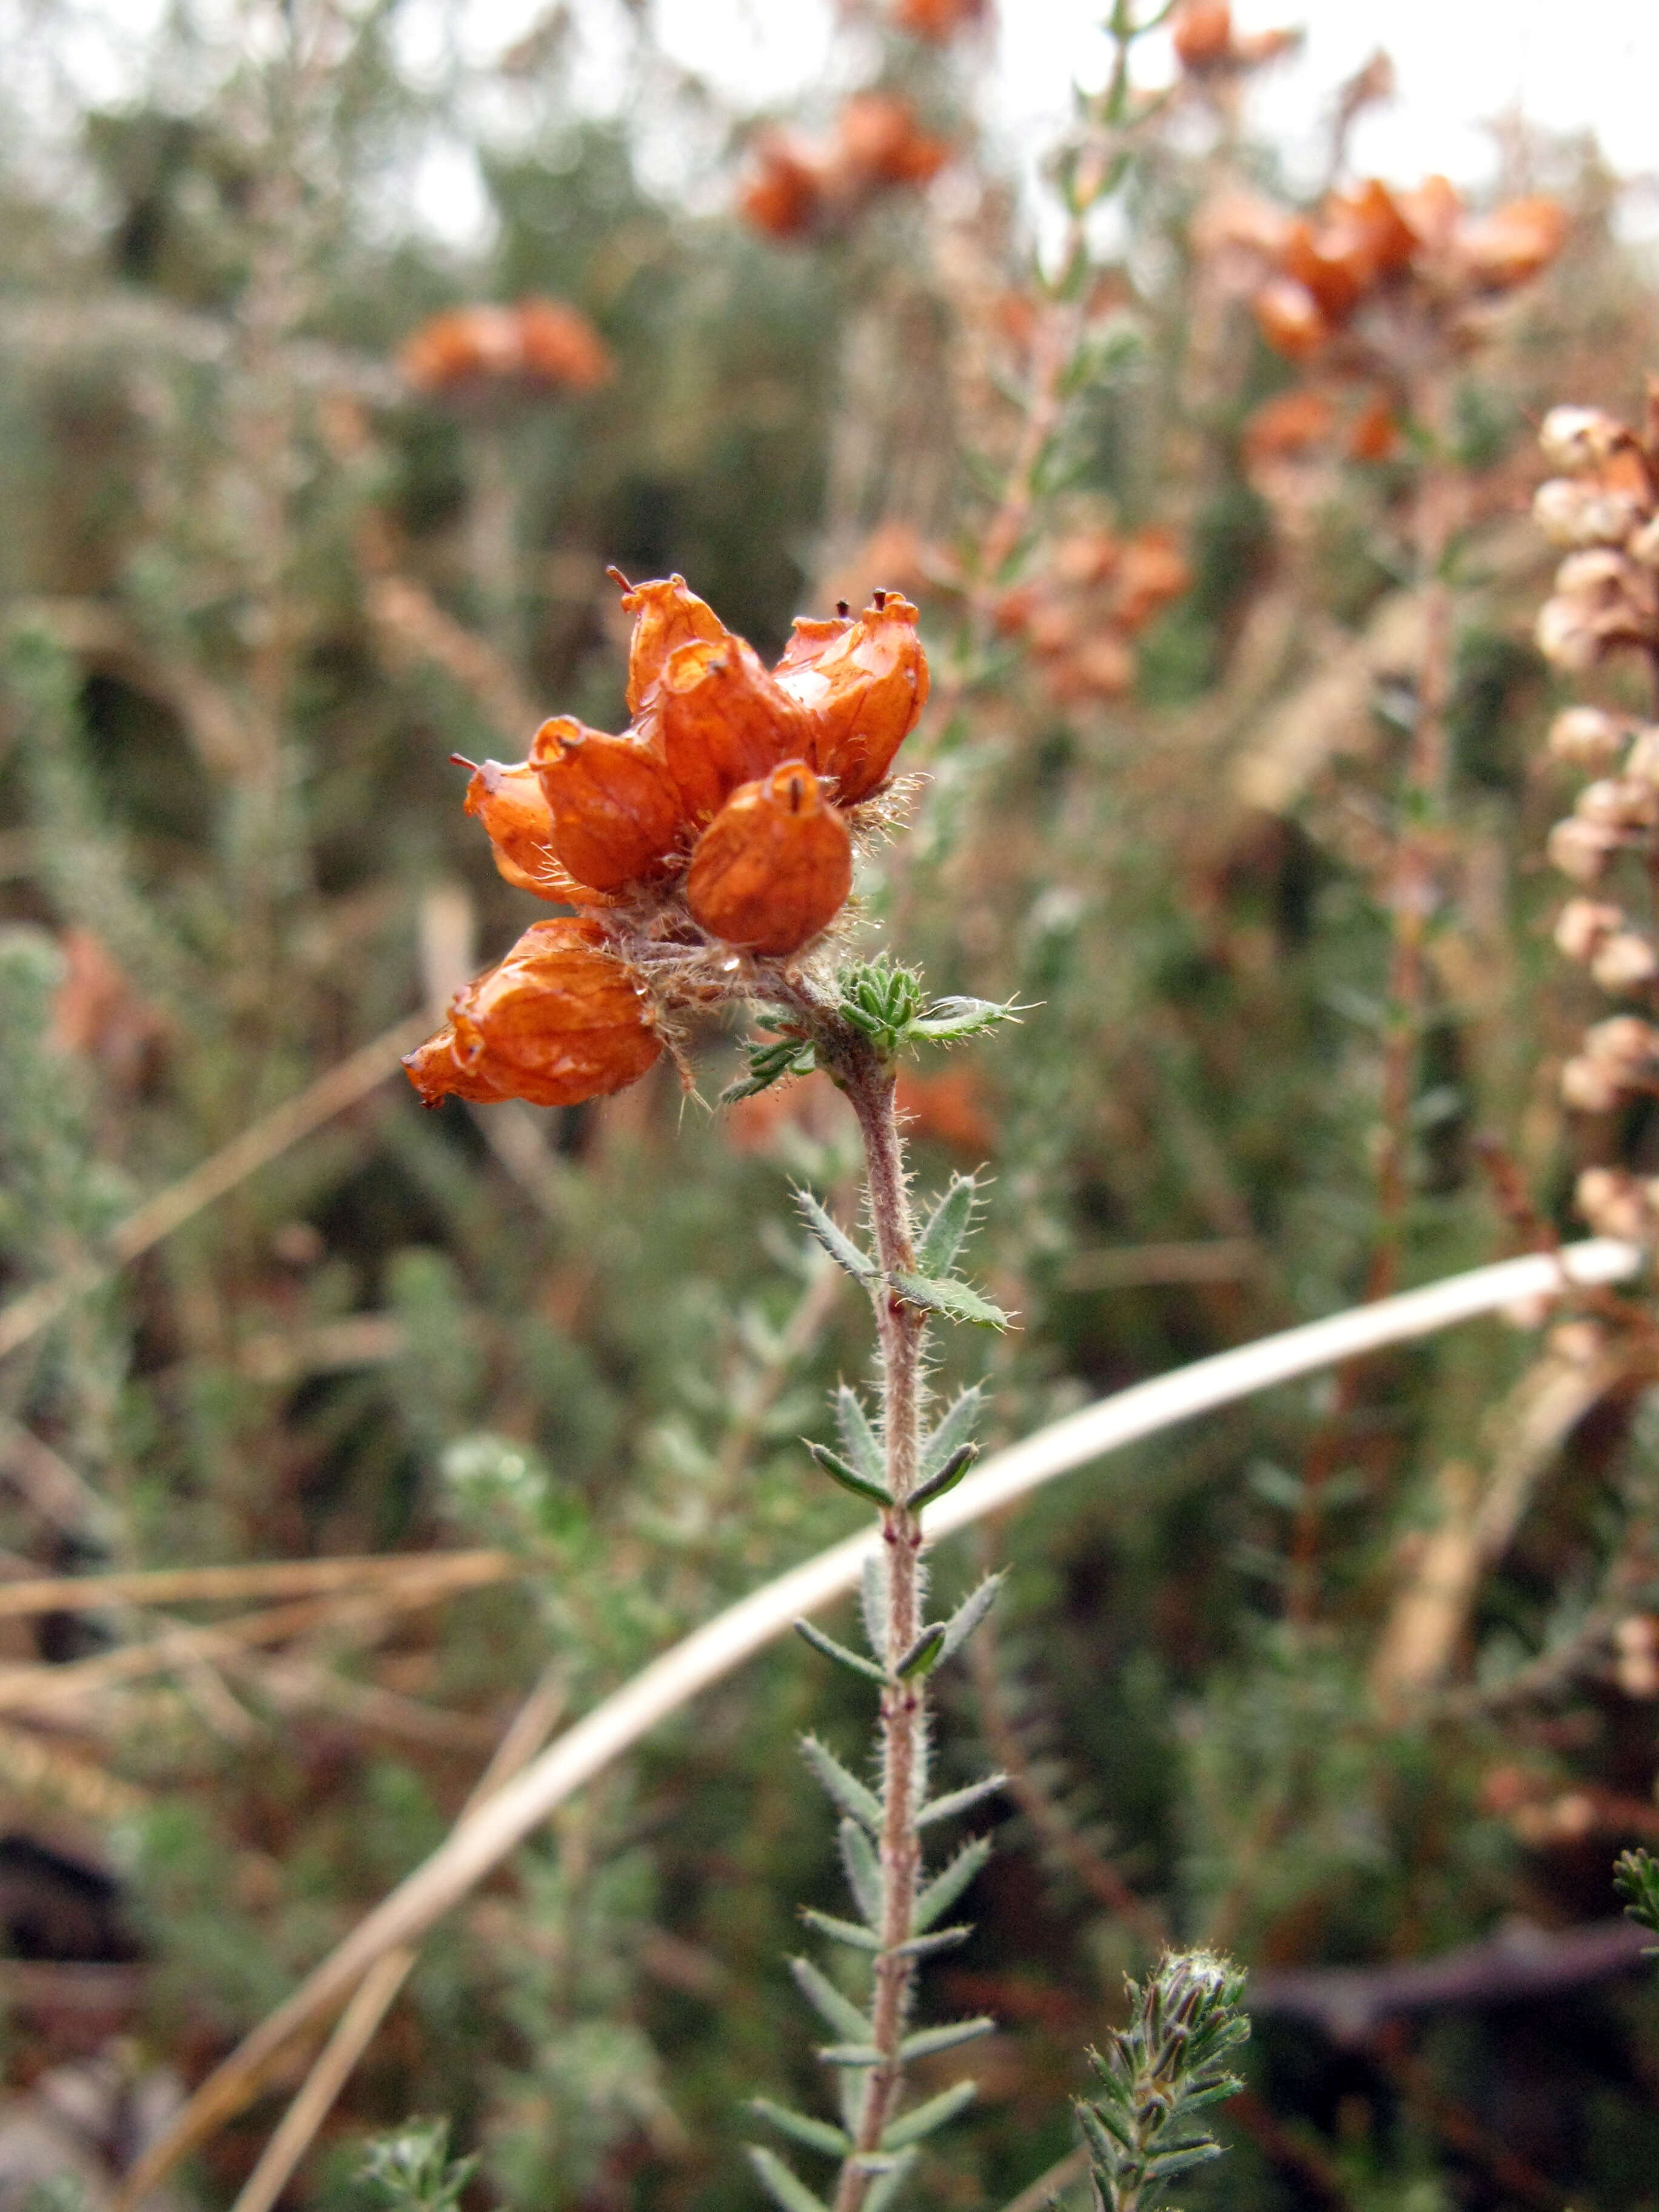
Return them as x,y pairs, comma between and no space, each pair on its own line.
481,1841
266,1140
35,1689
260,1578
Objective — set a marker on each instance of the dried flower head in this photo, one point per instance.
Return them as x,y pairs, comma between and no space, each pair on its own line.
796,189
722,820
538,347
1208,44
1419,260
938,21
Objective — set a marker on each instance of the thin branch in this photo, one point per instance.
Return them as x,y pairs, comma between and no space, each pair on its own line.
479,1843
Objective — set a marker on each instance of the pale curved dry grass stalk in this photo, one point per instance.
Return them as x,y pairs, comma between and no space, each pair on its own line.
481,1840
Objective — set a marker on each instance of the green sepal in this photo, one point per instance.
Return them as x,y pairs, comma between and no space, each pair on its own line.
859,1439
969,1614
947,1478
836,2011
949,1019
1161,2164
840,1931
924,1654
886,2186
944,1294
783,2187
947,1227
954,1429
960,1801
840,1654
838,1471
912,2127
942,1893
939,1939
845,1790
863,1870
927,2040
769,1064
834,1238
817,2135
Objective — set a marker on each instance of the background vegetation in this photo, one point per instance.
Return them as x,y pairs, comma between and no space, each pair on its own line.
1359,1675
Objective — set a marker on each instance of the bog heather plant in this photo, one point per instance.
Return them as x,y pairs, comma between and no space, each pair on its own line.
712,841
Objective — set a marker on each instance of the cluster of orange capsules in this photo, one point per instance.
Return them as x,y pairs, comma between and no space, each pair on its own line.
534,346
1091,596
1420,254
800,189
1601,507
720,823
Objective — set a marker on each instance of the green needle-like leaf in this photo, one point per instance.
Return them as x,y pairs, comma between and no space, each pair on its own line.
913,2127
786,2191
849,1795
817,2135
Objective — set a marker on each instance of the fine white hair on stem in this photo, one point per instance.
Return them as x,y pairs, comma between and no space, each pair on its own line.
483,1838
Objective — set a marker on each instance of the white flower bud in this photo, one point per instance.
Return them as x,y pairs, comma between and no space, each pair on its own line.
1574,438
1614,1204
1588,1088
1587,737
1582,849
1617,803
1572,513
1643,760
1644,545
1565,637
1592,573
1583,924
1625,962
1625,1043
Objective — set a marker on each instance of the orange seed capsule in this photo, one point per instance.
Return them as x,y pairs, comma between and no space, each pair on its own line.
558,1021
863,686
666,614
510,804
774,866
613,810
723,720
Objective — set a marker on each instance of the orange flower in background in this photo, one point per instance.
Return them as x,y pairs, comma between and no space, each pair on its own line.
561,1019
939,20
1206,44
795,188
1081,614
1372,243
771,767
537,347
774,866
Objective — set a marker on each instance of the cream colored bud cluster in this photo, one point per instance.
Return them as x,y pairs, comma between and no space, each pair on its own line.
1602,510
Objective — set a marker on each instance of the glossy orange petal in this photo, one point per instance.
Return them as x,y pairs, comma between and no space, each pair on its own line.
558,1021
510,804
614,811
667,614
1290,319
774,866
862,694
1514,242
722,720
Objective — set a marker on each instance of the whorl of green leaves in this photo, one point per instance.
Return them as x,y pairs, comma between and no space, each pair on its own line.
1169,2064
1636,1878
414,2170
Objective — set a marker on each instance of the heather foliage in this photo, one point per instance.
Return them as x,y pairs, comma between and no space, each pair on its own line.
1187,870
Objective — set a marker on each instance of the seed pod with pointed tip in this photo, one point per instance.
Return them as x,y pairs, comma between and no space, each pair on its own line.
666,614
723,720
774,866
558,1021
862,686
614,811
510,803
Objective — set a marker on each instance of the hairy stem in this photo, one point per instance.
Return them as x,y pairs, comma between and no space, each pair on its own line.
903,1727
